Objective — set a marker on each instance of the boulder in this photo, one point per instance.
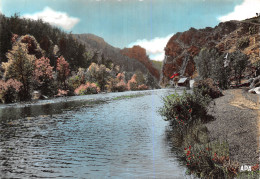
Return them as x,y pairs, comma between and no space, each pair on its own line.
255,90
255,83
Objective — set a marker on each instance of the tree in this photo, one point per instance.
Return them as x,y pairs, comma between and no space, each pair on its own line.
221,74
140,78
42,74
239,62
20,66
5,36
205,60
63,71
98,73
132,83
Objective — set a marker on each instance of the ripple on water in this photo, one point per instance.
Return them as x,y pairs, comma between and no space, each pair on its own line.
118,139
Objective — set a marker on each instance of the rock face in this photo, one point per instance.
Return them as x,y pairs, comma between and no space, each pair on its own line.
226,37
139,53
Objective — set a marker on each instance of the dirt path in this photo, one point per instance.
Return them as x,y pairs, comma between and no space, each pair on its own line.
237,123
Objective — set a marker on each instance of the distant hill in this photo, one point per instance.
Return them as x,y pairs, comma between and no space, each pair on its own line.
157,64
98,44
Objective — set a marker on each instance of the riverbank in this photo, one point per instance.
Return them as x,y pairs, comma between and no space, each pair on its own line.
236,121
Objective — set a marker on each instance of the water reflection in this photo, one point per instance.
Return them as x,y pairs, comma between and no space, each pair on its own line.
109,139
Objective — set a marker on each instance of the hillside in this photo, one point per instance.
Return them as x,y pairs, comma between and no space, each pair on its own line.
127,63
226,37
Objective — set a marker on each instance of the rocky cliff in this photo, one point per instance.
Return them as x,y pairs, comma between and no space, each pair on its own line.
139,53
226,37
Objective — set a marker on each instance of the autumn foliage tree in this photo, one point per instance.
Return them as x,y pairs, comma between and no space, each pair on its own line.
132,83
9,90
63,71
20,66
43,75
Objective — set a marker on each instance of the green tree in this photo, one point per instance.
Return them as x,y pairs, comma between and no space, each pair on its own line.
239,62
220,73
205,61
98,73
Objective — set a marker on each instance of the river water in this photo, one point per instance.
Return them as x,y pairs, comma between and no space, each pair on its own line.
94,136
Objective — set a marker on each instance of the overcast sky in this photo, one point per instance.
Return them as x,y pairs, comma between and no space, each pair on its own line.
124,23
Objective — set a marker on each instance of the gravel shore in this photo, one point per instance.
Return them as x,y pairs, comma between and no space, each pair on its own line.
236,121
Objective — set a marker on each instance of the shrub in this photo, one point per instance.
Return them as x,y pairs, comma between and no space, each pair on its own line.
209,160
243,43
88,88
207,87
9,90
185,110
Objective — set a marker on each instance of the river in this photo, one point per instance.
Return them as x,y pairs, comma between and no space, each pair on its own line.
96,136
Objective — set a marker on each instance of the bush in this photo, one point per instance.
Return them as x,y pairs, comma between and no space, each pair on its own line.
88,88
185,110
210,160
207,87
9,90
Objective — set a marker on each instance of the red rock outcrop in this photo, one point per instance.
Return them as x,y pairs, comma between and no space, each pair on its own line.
139,54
